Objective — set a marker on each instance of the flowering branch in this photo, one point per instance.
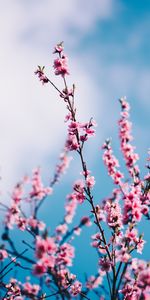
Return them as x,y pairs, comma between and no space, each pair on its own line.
127,277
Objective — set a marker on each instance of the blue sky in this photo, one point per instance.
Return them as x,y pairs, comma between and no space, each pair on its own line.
108,48
108,45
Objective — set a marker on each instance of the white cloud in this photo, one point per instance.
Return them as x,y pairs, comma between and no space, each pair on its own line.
31,116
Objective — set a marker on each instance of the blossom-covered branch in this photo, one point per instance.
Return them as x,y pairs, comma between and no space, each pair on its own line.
117,220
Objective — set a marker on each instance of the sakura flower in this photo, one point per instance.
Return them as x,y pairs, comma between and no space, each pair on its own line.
113,211
144,278
61,229
93,282
3,254
21,223
140,245
48,261
72,143
90,181
125,137
38,190
75,288
70,207
105,264
50,245
41,247
112,163
65,254
77,230
40,73
58,48
31,288
17,193
86,221
61,66
34,223
124,104
39,269
79,190
123,255
73,126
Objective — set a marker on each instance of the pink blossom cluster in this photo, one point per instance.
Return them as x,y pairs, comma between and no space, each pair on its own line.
14,290
78,133
61,167
132,204
61,62
114,215
125,137
112,163
70,207
94,282
137,281
79,190
37,192
75,288
30,289
3,254
40,73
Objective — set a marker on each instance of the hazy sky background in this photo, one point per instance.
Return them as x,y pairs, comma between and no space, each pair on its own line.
107,42
108,45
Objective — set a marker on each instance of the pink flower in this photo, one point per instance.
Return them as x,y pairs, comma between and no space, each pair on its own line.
60,66
39,269
61,167
80,197
58,48
21,223
70,207
145,209
90,131
125,137
140,245
79,186
72,143
132,204
48,261
86,221
124,104
17,193
73,126
34,223
131,292
94,282
40,73
65,255
75,288
123,255
111,163
77,230
131,234
90,181
65,277
45,246
3,254
38,190
144,278
79,191
31,289
50,245
113,212
41,247
105,264
61,229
